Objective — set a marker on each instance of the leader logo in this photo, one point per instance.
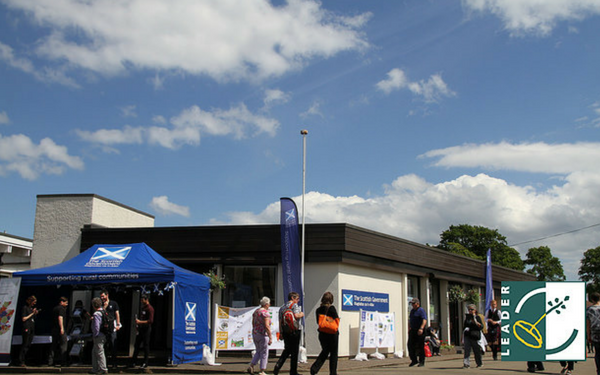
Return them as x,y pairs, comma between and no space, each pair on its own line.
543,321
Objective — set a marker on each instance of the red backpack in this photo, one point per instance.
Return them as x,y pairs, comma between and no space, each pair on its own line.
289,323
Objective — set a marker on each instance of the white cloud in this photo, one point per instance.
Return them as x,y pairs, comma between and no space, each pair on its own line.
274,96
418,210
187,128
173,138
314,110
396,80
127,135
157,82
525,157
46,74
128,111
4,118
158,119
534,16
237,121
19,154
431,90
224,39
164,207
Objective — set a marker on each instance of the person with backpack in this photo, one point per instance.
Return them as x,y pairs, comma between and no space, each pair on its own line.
289,327
593,326
329,340
98,357
112,308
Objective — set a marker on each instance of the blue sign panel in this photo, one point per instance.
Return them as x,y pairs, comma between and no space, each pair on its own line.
355,300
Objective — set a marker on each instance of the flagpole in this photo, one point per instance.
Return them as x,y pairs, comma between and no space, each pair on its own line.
304,132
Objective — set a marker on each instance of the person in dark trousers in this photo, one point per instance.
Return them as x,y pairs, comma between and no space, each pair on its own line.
291,340
533,366
98,356
592,318
28,317
472,334
58,354
417,321
493,333
329,341
112,308
144,329
567,367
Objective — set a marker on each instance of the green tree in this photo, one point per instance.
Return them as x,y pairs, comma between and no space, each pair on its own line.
474,241
589,271
544,266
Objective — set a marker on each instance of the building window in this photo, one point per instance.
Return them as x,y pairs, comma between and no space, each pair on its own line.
413,289
434,302
247,285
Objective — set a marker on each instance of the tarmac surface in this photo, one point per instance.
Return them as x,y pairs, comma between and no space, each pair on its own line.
451,364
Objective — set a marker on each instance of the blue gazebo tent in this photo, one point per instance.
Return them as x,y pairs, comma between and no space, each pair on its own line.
137,263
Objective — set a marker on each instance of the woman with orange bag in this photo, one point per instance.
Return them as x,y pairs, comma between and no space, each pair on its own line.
328,321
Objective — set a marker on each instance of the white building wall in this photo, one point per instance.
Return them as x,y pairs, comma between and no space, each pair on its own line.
60,218
109,214
15,254
333,277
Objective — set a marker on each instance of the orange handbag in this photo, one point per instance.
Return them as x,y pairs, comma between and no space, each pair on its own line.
327,324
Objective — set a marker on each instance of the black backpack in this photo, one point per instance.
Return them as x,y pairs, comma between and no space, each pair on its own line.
107,325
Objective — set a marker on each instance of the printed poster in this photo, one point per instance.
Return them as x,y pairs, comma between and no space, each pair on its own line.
234,328
377,330
9,294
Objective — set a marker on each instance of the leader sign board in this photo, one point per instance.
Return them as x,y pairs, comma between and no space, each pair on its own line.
355,300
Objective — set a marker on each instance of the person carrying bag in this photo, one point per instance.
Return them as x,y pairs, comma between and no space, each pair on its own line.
328,321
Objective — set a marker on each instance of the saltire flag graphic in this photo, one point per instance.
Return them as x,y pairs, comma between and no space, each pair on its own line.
489,286
543,321
290,249
111,253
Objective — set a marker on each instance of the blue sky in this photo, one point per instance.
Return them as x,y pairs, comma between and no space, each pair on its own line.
421,114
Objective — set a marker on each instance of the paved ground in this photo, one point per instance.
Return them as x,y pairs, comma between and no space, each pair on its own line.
448,365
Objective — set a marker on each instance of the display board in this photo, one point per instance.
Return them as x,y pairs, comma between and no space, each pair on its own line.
377,330
9,294
233,328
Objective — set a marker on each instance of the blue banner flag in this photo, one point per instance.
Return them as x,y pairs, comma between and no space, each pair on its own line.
489,286
290,249
191,319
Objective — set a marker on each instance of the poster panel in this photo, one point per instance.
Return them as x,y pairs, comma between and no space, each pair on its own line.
9,294
377,330
234,328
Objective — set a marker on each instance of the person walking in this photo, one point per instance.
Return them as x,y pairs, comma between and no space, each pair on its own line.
493,333
112,308
291,335
593,326
567,367
261,334
472,334
328,340
28,331
144,329
417,321
58,354
99,339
